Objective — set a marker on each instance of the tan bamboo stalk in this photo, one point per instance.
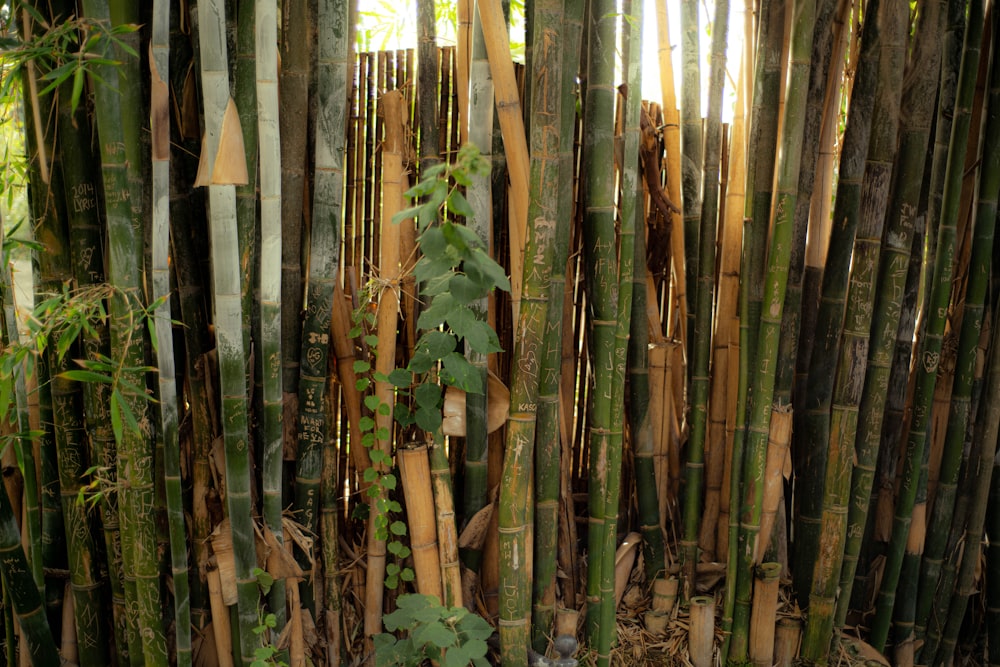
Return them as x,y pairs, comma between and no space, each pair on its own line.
463,60
727,329
343,345
515,141
415,475
701,632
447,529
385,360
221,629
762,618
296,643
787,637
672,142
777,450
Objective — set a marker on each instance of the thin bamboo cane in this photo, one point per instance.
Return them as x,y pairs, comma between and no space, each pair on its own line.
705,298
776,276
415,474
968,354
160,129
268,132
330,499
385,362
930,344
692,147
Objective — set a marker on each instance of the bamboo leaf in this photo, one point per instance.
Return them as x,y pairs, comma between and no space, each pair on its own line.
85,376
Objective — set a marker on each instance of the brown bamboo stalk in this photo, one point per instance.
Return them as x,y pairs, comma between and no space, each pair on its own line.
701,632
296,640
787,638
68,642
220,619
515,142
388,304
343,346
415,475
778,439
447,530
762,618
463,59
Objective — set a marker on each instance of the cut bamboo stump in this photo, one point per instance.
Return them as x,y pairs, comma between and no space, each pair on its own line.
566,622
787,636
701,632
664,598
765,608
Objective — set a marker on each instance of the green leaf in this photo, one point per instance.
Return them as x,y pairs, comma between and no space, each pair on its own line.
362,366
368,439
388,482
372,402
86,376
384,409
370,475
116,416
366,423
429,419
437,634
438,312
406,213
459,205
397,528
491,273
392,569
371,340
362,384
464,289
481,337
406,574
463,374
437,344
433,243
402,414
394,548
428,395
400,378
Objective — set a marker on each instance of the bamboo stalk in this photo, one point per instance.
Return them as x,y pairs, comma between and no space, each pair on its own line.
692,147
701,632
778,441
765,609
220,619
447,529
415,474
787,638
930,344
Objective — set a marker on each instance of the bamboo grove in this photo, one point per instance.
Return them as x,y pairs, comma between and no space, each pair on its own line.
338,357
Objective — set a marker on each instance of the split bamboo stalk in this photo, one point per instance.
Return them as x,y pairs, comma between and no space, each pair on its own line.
918,95
701,632
549,431
810,464
514,139
160,130
385,359
415,475
891,22
930,344
701,327
775,282
765,611
968,354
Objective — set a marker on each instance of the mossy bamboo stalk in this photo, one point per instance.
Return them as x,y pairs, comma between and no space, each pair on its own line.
775,282
930,344
169,421
692,146
549,432
705,298
228,318
385,359
324,257
529,337
891,22
986,431
135,451
810,465
914,135
968,353
268,133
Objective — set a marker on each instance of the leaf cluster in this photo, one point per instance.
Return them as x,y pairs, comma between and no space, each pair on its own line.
449,636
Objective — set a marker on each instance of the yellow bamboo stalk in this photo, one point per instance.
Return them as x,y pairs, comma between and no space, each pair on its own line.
463,56
765,608
515,142
393,186
296,640
415,474
624,560
777,450
220,619
701,632
343,347
722,527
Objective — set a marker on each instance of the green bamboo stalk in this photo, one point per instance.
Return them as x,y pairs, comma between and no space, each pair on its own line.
962,388
331,122
914,135
548,441
930,343
160,130
266,55
134,451
993,583
329,516
53,535
228,318
602,274
891,23
775,282
692,151
529,343
480,196
245,96
701,342
763,129
986,432
811,464
427,85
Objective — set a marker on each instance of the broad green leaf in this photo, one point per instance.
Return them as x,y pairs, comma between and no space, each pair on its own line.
372,402
463,374
397,528
437,343
464,289
429,419
428,395
433,243
400,378
459,205
362,366
85,376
